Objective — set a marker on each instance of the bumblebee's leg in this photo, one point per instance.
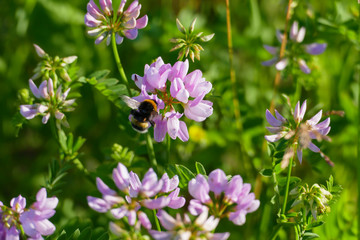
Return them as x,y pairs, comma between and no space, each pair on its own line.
152,123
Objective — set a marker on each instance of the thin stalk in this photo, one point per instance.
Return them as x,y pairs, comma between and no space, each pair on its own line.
232,70
287,185
245,164
358,128
53,129
275,232
118,63
151,152
168,147
282,52
156,221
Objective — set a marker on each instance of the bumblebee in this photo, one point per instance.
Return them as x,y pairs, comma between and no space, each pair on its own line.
142,113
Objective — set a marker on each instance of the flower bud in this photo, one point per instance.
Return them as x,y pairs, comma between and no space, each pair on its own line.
180,26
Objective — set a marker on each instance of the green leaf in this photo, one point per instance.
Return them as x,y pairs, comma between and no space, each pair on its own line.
310,235
100,74
63,141
200,168
314,225
79,142
293,180
266,172
85,234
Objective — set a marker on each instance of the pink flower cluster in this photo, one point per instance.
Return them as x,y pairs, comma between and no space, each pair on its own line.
173,88
51,103
33,221
303,133
230,198
150,193
202,228
103,23
296,38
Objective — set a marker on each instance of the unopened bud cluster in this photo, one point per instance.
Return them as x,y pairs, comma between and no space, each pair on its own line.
52,67
189,46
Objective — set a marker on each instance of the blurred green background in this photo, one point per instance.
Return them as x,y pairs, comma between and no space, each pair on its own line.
58,27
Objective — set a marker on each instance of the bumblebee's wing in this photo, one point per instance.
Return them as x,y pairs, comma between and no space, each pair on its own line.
132,103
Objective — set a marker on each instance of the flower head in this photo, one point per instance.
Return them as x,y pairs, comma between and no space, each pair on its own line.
296,51
151,193
104,21
50,102
189,44
173,89
178,228
301,133
34,221
222,198
53,67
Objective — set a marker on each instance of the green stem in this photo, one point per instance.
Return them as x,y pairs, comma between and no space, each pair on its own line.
168,147
54,129
287,185
297,231
358,128
298,89
157,221
275,232
151,152
118,63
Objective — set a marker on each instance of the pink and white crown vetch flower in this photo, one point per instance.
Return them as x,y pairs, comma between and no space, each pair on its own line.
177,93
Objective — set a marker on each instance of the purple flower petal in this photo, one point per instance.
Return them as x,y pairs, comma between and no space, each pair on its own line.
93,10
28,111
131,217
323,124
303,67
315,48
217,181
119,213
280,117
313,147
234,188
179,70
119,39
281,65
270,62
196,207
220,236
274,138
176,202
200,111
271,49
157,203
301,35
299,154
45,118
143,218
130,24
101,38
294,30
167,221
131,33
272,120
103,188
183,133
90,21
34,89
178,91
315,119
199,188
238,218
142,22
106,6
98,204
302,111
160,128
39,51
121,177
